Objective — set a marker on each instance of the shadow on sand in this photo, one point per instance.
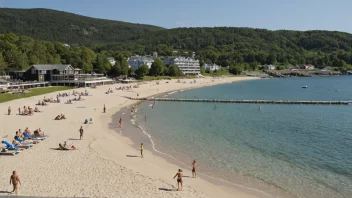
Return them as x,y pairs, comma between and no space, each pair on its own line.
73,139
132,156
167,189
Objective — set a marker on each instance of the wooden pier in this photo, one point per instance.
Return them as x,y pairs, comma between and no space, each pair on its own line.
246,101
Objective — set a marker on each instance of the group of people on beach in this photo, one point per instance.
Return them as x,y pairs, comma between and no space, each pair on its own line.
27,110
123,88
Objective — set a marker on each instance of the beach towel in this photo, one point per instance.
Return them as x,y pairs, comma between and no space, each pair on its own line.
18,139
26,135
10,146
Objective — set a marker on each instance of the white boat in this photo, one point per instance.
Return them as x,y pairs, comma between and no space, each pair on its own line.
305,87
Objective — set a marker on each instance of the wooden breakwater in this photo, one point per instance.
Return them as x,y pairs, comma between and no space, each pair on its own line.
245,101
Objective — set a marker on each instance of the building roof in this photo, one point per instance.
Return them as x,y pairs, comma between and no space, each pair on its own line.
51,67
141,58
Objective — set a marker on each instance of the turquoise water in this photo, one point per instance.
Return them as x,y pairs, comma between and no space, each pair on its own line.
304,150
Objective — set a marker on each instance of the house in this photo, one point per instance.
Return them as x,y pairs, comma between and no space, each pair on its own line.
136,61
211,67
43,73
270,67
18,75
188,66
288,67
307,67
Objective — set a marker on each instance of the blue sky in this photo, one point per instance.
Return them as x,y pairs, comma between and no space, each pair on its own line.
268,14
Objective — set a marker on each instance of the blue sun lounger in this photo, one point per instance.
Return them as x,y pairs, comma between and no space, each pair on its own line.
10,146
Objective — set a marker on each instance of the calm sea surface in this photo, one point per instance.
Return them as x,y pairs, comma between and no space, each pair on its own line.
305,150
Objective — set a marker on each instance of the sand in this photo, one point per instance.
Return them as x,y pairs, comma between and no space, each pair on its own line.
100,167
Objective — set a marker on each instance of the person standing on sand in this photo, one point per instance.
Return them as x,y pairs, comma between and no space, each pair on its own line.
120,122
9,111
142,148
15,180
81,133
194,165
104,109
179,179
19,110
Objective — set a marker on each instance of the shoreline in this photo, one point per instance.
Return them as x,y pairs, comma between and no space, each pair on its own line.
101,155
217,180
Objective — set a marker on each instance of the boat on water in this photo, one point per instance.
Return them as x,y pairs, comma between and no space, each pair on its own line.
305,87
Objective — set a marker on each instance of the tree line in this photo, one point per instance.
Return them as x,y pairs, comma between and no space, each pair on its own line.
19,52
248,47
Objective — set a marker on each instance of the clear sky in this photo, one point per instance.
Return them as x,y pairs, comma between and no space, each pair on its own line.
268,14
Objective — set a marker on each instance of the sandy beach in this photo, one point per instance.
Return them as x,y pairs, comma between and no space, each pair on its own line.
101,166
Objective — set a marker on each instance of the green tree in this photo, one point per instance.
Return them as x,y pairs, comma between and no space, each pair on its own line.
116,69
236,69
174,70
157,67
202,70
102,64
131,71
142,71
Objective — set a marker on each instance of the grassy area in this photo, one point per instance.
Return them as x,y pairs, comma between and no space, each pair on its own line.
33,92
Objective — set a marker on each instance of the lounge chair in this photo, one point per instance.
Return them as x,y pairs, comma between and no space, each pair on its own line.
10,146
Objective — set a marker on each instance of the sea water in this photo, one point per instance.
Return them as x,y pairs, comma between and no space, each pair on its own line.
304,150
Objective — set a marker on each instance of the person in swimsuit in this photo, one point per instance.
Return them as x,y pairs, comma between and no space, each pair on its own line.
81,133
9,111
15,180
142,148
104,108
120,122
194,165
179,179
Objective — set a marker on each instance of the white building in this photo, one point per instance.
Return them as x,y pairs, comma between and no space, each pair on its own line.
188,66
112,61
270,67
136,61
211,67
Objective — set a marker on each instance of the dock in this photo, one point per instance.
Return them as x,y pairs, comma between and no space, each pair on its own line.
245,101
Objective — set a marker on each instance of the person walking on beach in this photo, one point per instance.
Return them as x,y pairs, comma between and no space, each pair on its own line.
194,165
81,133
104,109
179,176
145,118
19,110
142,148
9,111
15,180
120,122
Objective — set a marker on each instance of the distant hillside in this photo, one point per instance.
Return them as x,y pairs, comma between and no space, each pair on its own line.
247,47
52,25
231,45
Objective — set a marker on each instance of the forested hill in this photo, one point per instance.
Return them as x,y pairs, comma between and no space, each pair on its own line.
52,25
227,46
